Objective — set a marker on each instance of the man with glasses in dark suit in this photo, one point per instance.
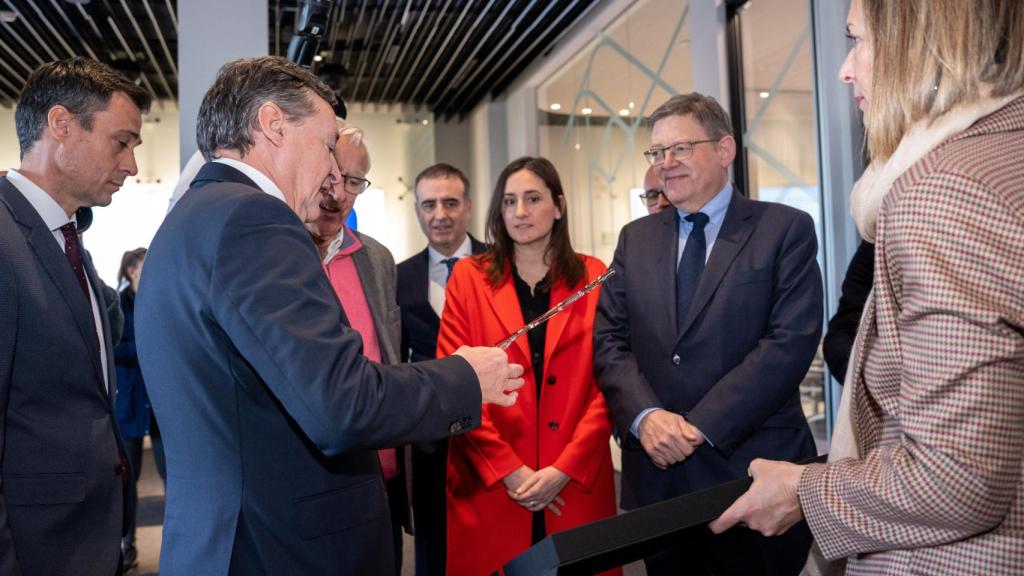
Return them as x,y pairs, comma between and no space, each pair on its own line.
653,196
703,336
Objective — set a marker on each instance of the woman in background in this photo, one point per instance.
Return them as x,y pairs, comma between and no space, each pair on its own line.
935,480
544,464
134,414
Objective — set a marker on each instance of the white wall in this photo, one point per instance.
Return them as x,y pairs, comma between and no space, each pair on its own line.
8,140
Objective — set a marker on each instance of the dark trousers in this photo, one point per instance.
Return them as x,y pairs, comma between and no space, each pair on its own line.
396,502
429,464
133,452
738,552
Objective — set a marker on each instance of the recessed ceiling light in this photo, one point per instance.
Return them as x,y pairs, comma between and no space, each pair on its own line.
577,146
318,58
624,112
631,105
556,106
764,94
587,111
425,121
8,16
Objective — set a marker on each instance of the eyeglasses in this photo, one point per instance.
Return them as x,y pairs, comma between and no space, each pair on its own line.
355,184
679,151
650,197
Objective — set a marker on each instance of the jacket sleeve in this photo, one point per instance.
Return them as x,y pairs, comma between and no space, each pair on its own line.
770,373
270,295
491,456
842,328
625,388
955,469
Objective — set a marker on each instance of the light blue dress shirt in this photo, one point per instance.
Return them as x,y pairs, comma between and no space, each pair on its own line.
715,210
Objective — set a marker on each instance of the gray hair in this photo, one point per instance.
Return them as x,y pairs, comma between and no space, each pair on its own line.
228,114
704,109
354,134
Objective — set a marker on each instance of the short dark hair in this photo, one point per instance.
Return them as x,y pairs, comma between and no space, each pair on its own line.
704,109
81,85
439,171
130,259
566,265
228,114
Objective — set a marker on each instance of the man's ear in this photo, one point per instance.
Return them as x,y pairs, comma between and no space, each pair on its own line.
58,122
271,120
726,149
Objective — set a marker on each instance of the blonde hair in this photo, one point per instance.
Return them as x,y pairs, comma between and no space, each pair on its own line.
931,55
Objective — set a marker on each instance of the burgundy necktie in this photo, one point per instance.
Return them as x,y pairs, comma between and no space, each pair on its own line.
73,252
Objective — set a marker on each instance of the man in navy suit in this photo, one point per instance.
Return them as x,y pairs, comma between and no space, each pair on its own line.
269,411
62,475
443,209
703,336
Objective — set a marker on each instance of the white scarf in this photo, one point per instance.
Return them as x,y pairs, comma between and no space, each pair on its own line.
869,191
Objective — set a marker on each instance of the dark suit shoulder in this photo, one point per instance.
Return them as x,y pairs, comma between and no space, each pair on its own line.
409,265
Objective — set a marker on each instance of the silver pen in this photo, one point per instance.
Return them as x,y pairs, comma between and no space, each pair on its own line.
504,344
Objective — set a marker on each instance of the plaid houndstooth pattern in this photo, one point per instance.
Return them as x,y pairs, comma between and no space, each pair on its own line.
939,380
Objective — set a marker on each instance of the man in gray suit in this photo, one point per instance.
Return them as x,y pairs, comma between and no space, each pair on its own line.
362,272
61,472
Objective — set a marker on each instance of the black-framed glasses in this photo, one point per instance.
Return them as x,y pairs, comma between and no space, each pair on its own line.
355,184
679,151
650,197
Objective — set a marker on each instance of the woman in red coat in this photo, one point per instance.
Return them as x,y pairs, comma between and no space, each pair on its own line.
544,464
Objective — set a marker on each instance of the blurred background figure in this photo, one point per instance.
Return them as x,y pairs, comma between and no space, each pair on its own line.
653,196
551,449
134,414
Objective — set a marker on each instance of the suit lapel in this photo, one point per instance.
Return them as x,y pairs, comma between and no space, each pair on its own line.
735,232
423,281
666,235
506,307
40,239
556,325
106,347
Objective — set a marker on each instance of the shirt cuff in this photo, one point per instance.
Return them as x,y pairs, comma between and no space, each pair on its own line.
635,428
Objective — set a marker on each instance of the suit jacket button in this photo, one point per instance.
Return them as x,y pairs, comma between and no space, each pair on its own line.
553,425
675,359
120,469
552,379
455,427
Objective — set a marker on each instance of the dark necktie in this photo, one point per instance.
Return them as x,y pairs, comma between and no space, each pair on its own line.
691,265
73,252
450,263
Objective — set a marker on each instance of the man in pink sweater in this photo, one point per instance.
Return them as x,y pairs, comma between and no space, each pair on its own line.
362,272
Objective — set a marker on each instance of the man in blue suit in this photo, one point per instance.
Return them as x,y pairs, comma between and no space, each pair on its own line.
62,476
703,336
443,209
268,409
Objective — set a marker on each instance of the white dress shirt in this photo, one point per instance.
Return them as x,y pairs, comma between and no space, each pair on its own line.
437,272
54,217
258,178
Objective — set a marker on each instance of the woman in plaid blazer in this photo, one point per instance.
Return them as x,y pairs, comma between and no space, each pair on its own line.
935,481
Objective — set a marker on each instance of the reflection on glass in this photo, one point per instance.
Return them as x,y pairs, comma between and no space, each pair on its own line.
781,137
597,137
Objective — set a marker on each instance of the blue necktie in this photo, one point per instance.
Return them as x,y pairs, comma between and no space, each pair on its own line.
691,265
450,263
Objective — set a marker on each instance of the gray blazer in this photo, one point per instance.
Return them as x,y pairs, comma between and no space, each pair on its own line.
376,268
